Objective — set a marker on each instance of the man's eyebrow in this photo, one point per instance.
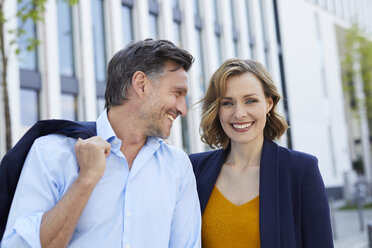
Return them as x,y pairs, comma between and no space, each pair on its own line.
181,88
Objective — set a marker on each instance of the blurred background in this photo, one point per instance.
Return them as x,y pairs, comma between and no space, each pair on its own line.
54,57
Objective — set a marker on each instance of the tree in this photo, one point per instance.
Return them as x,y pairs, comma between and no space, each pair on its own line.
358,47
357,78
27,10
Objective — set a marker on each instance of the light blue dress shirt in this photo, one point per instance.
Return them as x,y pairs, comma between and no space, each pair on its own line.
155,204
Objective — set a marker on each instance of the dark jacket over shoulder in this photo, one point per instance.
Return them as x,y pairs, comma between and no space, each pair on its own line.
293,209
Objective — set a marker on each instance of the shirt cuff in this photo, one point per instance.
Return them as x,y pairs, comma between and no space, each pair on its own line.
26,232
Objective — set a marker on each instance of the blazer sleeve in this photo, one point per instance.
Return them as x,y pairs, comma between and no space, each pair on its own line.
316,223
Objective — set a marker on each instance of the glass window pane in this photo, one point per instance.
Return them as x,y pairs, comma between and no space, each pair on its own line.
68,107
27,59
99,40
249,24
236,52
175,4
196,8
185,135
29,107
264,34
127,24
215,11
153,26
65,42
177,34
199,61
218,49
232,8
100,105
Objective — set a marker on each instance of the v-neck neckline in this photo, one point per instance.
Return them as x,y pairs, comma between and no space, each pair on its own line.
233,204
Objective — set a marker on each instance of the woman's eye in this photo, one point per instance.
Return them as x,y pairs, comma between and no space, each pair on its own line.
226,103
250,101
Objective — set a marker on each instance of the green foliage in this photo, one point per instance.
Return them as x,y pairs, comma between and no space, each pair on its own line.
28,10
355,207
358,49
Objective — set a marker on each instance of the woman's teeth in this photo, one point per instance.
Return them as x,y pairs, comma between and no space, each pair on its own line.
241,126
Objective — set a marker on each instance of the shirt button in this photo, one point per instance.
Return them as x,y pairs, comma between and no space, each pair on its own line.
127,246
115,142
129,213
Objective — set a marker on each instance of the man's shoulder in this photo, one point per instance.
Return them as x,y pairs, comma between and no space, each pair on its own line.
51,141
172,150
175,157
53,147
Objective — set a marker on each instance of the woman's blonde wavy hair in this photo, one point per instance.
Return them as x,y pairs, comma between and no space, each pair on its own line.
210,127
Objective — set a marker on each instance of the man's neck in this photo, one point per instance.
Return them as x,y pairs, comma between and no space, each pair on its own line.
128,129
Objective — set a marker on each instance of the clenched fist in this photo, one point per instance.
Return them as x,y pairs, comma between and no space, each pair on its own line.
91,156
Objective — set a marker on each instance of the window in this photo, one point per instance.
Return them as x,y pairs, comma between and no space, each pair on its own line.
235,34
69,107
217,32
30,80
29,106
99,49
264,34
127,13
153,19
66,53
250,31
99,40
69,83
177,20
100,105
199,59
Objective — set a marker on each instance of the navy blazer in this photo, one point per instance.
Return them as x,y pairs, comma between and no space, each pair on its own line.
12,163
293,207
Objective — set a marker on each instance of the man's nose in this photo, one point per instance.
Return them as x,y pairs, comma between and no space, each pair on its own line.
182,106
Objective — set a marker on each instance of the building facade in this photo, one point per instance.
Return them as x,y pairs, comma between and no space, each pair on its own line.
297,40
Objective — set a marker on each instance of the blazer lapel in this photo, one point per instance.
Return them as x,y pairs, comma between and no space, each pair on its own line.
208,177
269,196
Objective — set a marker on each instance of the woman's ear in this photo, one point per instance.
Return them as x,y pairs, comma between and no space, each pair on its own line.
270,104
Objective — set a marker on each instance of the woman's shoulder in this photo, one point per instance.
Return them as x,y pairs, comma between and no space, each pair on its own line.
202,156
297,161
295,155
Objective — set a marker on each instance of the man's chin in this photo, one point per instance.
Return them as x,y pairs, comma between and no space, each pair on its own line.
163,134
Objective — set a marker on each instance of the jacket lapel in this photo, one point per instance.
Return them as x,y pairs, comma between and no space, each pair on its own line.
208,177
269,196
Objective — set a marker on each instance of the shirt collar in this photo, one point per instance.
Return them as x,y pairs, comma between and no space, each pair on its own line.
104,129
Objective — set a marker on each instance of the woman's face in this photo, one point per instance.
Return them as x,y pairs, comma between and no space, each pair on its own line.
243,109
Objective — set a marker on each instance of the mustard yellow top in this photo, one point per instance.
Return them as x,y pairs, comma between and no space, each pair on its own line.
226,225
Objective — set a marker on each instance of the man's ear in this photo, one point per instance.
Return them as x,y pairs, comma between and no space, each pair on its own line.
139,83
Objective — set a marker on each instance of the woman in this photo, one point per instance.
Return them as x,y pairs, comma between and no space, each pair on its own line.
254,193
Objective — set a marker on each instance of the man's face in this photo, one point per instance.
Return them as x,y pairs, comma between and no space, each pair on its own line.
166,101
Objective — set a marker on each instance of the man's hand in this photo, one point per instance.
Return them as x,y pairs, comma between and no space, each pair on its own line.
91,156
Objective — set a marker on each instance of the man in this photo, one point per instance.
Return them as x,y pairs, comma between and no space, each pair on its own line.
126,187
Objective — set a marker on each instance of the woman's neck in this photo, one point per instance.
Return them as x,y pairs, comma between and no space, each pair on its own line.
245,155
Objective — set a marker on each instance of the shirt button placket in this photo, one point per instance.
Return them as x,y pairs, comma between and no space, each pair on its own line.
128,213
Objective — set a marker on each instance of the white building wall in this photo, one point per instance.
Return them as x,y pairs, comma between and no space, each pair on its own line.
49,69
316,104
315,109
